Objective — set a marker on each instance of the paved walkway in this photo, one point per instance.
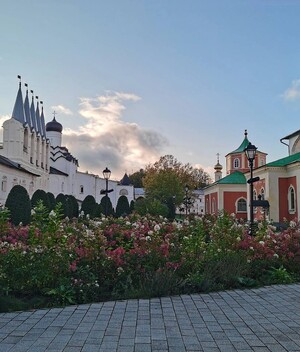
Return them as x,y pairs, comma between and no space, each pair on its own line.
265,319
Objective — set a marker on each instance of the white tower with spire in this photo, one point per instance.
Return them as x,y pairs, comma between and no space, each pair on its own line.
218,169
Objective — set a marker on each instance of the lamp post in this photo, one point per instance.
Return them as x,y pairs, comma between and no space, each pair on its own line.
250,151
106,175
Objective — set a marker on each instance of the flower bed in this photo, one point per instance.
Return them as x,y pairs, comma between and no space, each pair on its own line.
81,260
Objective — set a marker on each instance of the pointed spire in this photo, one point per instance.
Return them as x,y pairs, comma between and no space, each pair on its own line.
32,113
37,116
43,121
18,111
27,109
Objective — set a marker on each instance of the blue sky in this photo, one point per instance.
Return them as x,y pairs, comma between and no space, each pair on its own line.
134,80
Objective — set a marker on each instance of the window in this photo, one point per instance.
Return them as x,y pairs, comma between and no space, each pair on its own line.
4,184
62,186
292,200
241,206
236,163
31,186
262,193
123,192
81,189
15,181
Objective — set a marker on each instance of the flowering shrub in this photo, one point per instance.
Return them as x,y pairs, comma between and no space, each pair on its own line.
83,260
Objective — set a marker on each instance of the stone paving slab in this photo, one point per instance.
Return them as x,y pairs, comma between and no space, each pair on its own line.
264,319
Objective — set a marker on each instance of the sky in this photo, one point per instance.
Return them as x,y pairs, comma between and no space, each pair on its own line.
133,80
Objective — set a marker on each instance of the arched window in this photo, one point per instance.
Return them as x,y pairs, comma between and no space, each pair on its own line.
62,186
81,188
4,184
236,163
123,192
31,187
15,181
241,205
292,200
262,193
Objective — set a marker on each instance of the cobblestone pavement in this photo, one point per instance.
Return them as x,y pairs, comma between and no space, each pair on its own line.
264,319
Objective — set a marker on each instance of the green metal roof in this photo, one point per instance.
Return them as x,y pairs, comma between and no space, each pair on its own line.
236,177
242,147
285,161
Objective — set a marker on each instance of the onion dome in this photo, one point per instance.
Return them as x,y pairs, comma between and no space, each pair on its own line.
218,166
54,126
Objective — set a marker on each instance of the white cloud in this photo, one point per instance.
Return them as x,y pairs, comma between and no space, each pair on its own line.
293,92
61,109
106,140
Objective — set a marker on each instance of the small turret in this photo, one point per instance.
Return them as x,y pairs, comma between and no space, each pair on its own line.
54,132
218,169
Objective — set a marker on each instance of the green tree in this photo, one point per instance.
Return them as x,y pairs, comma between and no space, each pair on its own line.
166,179
61,198
132,206
40,194
19,205
137,178
122,206
106,206
144,206
88,206
73,206
51,200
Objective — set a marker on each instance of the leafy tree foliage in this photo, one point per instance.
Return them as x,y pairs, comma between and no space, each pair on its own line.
166,179
40,194
51,200
73,206
61,198
88,206
106,206
144,206
19,205
137,178
131,206
122,206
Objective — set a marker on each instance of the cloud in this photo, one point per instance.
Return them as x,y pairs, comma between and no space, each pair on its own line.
106,140
293,92
61,109
209,169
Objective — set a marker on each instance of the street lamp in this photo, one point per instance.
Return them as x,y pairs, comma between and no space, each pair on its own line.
106,175
250,152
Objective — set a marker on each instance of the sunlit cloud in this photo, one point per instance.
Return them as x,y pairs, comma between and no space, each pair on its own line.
61,109
293,92
105,140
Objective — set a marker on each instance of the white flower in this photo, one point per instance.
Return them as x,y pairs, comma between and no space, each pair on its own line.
261,242
156,228
52,213
127,223
148,238
252,249
276,255
120,270
32,212
219,250
293,224
150,233
238,239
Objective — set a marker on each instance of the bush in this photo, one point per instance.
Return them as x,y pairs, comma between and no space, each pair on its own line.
40,194
19,205
73,207
153,207
89,207
106,206
122,207
61,198
51,200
